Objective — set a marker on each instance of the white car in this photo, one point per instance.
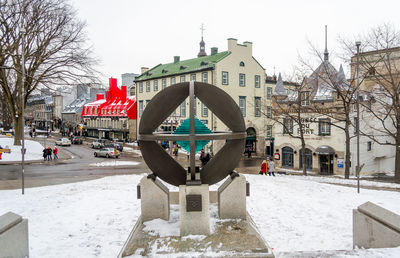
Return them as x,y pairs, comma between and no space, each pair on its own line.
63,142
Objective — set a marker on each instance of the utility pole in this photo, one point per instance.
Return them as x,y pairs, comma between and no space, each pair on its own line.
23,109
358,43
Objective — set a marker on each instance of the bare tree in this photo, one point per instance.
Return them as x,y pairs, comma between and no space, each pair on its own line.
54,46
341,92
379,65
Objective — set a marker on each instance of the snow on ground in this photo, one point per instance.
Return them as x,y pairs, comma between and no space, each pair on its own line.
33,150
94,218
115,163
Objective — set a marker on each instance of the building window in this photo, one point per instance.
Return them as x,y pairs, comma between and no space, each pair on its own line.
369,146
287,126
182,78
257,106
204,110
287,157
140,87
242,105
324,127
269,112
242,79
225,78
148,86
305,98
204,77
173,80
257,81
241,64
163,83
193,77
195,105
269,130
140,107
269,92
155,85
183,109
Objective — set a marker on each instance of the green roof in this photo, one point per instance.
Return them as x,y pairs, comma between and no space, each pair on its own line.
186,66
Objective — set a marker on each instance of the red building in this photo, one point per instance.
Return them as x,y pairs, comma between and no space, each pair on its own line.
112,117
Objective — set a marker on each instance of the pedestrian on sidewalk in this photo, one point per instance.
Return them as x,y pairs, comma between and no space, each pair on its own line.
45,154
55,152
264,168
175,150
49,152
271,167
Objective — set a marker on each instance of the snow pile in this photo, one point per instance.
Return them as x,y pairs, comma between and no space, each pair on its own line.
294,214
86,219
34,150
114,163
94,218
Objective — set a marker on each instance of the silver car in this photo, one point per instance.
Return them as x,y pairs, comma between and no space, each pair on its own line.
107,152
63,142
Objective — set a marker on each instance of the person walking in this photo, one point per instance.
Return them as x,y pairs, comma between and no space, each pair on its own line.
175,150
271,167
45,154
264,168
55,152
49,153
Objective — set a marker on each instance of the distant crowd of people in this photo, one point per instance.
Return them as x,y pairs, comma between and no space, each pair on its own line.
48,152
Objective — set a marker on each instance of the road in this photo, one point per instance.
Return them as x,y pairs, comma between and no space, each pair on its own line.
73,166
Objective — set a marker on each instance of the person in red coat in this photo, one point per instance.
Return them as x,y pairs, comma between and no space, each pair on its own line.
264,167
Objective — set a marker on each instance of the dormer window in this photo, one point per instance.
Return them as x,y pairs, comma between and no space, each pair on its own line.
203,63
182,67
241,64
164,71
305,98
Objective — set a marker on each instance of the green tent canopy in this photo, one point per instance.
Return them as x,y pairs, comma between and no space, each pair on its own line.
200,128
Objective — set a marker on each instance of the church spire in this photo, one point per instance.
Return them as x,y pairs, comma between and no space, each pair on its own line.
326,54
202,44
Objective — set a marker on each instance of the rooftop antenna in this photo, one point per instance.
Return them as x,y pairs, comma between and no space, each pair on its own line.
326,54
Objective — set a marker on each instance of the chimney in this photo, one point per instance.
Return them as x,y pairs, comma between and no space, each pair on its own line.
214,50
232,43
144,69
123,94
249,45
176,59
99,96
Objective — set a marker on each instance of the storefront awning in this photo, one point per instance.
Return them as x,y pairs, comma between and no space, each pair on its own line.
325,150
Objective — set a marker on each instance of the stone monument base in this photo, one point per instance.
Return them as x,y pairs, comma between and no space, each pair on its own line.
228,238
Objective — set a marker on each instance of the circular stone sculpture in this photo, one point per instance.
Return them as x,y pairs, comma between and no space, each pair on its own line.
163,104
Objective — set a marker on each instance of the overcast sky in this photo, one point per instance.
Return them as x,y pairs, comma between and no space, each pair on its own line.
128,34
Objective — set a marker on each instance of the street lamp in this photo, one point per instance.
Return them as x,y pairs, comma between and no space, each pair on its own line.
358,43
23,32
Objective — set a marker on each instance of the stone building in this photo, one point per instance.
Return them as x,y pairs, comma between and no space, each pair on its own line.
235,71
112,116
325,142
128,79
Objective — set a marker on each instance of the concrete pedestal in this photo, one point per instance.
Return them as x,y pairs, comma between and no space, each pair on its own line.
13,236
154,199
194,210
375,227
232,198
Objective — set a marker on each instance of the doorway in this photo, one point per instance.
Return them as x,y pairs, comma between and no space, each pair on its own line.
287,157
326,164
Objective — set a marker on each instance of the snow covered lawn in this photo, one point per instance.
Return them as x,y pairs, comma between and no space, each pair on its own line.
94,218
33,150
115,163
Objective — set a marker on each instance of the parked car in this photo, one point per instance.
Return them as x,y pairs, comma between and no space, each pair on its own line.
115,145
98,144
63,142
107,152
77,140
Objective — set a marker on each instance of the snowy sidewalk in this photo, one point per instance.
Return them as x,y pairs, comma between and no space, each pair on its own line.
94,218
33,151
